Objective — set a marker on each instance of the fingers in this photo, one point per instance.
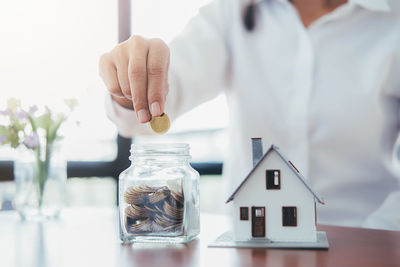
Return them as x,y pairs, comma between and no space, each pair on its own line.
121,57
137,75
108,73
157,75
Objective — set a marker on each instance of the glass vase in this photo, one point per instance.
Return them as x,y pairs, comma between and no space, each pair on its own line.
40,179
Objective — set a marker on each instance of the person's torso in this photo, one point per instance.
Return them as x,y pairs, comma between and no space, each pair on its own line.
326,95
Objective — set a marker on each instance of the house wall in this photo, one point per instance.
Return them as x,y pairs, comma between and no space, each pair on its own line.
292,193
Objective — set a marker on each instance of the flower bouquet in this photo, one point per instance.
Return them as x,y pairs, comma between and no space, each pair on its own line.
39,176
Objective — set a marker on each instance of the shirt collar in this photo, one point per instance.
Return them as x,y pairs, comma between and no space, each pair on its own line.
374,5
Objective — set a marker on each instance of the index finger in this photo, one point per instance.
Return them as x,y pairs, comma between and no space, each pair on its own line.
137,76
157,76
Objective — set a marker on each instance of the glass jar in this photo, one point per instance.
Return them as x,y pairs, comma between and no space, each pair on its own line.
159,195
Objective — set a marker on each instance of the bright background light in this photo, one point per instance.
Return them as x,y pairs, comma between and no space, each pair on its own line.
50,51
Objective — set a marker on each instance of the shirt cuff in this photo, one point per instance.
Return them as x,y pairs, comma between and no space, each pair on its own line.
125,119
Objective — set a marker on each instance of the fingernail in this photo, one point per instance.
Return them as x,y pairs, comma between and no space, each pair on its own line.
142,116
155,109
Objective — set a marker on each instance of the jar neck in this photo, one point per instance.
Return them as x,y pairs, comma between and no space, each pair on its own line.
135,161
160,153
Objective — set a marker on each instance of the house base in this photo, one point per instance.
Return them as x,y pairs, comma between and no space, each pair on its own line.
226,240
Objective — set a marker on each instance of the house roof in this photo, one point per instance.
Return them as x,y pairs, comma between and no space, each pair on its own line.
291,166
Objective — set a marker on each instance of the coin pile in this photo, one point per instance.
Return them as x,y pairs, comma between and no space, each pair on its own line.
153,209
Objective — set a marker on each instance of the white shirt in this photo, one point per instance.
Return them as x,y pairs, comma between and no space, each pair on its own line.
327,95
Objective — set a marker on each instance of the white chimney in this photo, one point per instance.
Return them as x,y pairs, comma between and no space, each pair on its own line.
257,150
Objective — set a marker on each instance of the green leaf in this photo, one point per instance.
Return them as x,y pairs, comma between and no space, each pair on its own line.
43,121
3,130
19,126
32,122
52,133
12,139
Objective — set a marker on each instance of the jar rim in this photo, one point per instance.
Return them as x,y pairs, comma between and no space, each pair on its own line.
160,149
159,146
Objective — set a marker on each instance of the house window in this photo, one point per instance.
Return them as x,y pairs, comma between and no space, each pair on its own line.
244,213
273,179
289,216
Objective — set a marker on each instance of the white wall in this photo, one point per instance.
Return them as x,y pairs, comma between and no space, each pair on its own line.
292,193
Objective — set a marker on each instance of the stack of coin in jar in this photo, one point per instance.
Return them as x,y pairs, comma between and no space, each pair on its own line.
153,209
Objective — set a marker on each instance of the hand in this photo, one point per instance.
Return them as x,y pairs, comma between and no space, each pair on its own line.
135,73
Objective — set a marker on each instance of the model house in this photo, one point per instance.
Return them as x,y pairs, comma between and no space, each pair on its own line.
274,202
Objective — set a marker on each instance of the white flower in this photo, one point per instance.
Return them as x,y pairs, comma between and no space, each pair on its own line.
13,104
71,103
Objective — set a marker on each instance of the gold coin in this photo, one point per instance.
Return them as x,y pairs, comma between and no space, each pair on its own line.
160,124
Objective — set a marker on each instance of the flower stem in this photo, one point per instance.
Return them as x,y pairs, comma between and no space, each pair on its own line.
42,170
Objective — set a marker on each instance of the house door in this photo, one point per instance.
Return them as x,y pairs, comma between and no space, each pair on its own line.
258,221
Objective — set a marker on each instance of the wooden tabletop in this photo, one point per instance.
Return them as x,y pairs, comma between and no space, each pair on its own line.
90,237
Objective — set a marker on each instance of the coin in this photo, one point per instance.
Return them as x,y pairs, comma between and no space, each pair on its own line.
160,124
154,209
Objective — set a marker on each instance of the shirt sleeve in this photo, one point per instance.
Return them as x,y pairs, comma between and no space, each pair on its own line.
387,216
198,68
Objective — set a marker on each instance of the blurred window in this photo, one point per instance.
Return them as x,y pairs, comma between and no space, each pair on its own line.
50,51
